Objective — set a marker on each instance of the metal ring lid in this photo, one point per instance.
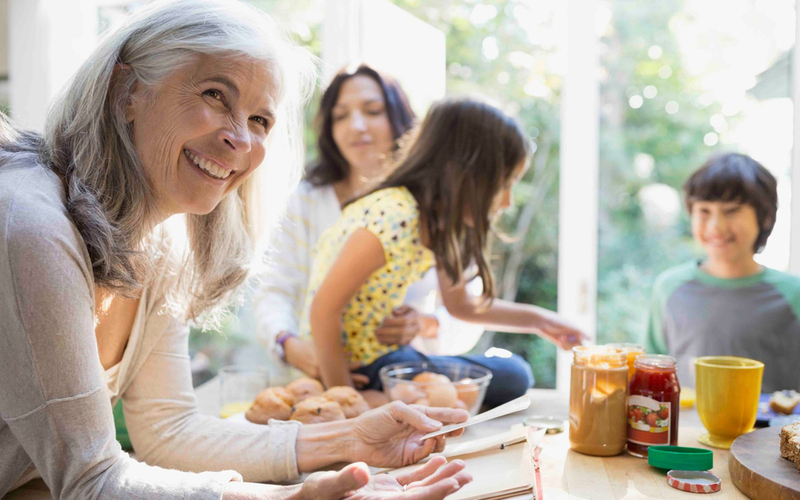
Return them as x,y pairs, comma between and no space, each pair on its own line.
694,481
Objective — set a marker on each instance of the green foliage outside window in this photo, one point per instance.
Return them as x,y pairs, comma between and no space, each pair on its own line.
507,51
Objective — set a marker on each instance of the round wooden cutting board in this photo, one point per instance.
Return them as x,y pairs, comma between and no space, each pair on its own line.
758,469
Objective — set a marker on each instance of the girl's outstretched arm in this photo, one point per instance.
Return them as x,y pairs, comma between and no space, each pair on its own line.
361,255
506,316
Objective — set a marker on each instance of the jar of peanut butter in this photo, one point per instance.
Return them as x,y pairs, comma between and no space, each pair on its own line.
598,400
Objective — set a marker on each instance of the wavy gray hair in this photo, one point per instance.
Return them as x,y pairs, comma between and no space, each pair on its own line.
89,141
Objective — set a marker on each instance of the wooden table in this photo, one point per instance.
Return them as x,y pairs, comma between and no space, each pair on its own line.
567,474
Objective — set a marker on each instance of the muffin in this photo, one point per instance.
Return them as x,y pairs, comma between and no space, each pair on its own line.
442,395
351,402
317,409
275,402
430,378
304,388
407,393
467,391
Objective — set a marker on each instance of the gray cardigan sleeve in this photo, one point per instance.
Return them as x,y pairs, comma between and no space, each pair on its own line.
53,397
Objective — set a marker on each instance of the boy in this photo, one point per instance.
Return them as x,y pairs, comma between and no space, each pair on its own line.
726,303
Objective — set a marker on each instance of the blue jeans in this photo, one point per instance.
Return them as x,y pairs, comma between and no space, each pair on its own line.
511,377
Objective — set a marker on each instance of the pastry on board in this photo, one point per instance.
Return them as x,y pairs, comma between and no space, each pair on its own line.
790,443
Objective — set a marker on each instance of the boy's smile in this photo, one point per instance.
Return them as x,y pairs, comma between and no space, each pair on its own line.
727,231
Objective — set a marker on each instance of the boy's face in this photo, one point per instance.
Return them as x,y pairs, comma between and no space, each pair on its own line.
727,230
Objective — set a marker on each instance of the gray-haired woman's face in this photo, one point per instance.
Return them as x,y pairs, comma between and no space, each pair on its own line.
202,131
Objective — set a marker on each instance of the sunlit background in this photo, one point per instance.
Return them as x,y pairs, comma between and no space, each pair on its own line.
677,81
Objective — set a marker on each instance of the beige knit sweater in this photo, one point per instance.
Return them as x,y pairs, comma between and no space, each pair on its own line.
55,413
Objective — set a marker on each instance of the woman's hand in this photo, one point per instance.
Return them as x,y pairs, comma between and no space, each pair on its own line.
301,355
389,436
432,481
402,326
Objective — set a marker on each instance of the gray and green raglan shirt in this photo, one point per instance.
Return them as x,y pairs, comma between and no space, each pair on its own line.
695,314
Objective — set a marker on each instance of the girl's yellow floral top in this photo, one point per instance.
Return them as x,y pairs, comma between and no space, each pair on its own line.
392,215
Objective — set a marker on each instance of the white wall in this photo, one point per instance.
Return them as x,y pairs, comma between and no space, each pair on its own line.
390,39
47,42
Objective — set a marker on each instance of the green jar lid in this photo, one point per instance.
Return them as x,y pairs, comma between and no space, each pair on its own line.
680,458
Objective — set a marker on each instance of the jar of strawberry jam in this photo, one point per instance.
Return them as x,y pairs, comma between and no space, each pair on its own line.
653,404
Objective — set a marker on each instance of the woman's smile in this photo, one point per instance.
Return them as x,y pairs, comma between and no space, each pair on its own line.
211,168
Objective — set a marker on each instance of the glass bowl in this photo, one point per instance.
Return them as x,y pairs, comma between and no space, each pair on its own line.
450,384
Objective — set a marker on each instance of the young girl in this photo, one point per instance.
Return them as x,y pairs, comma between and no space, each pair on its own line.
434,209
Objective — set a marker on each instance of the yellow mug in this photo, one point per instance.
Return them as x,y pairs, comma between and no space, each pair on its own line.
728,389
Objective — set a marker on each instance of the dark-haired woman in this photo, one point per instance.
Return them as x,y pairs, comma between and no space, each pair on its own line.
362,115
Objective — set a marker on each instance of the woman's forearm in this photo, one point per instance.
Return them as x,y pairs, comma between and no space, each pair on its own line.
256,491
320,445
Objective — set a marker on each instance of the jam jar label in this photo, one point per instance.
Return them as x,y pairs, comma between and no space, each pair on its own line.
648,421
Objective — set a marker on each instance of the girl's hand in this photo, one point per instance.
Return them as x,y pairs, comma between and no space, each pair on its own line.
432,481
561,332
401,327
389,436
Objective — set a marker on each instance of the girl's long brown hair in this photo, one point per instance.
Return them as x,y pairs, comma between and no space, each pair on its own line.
463,154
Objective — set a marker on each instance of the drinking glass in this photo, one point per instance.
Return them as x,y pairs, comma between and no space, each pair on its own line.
239,386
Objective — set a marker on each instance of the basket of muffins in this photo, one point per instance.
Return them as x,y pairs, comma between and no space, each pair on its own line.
306,401
442,384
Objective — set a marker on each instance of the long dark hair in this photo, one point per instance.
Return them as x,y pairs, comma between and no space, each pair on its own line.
463,154
331,166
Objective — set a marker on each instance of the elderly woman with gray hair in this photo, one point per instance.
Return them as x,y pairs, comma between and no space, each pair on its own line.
182,111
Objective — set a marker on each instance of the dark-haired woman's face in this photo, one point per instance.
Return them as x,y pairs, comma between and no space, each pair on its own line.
361,128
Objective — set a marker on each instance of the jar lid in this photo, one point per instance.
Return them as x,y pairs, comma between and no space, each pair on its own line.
551,425
694,481
655,362
682,458
600,357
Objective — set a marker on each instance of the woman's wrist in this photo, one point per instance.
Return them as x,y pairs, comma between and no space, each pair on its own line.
236,490
320,445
